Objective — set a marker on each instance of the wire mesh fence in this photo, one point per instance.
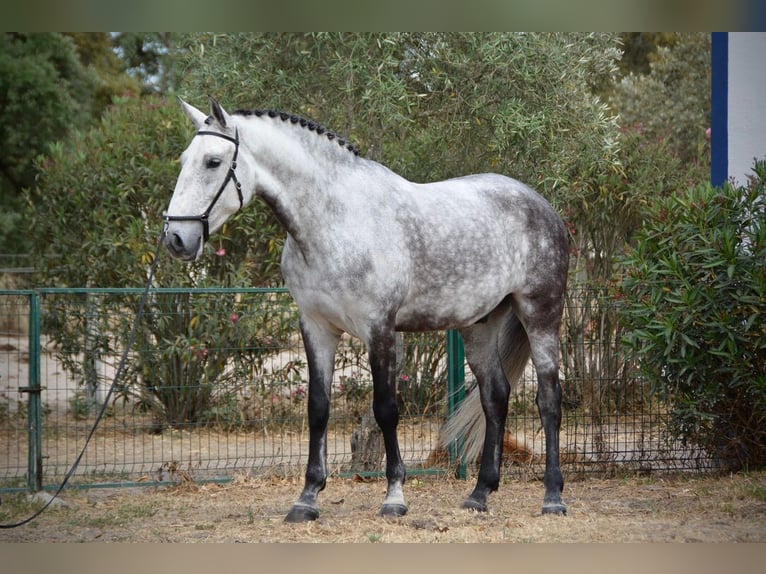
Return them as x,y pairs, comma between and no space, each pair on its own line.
216,384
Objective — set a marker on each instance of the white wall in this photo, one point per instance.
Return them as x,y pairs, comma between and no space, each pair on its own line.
747,102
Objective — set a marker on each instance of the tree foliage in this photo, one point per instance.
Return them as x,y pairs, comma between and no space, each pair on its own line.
672,101
429,106
50,85
41,90
149,58
659,156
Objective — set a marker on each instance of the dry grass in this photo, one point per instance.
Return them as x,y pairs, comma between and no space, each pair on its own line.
660,509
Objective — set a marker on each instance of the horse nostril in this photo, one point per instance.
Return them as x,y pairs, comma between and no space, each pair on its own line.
174,242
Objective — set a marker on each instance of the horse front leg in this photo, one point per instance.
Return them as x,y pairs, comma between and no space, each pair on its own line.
382,354
320,345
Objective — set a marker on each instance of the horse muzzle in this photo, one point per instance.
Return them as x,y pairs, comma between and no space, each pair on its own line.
182,246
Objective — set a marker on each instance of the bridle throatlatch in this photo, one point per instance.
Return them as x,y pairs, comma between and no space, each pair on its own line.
230,176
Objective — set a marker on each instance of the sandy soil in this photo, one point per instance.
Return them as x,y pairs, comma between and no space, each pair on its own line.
658,509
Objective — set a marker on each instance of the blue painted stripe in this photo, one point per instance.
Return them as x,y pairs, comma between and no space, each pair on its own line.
719,108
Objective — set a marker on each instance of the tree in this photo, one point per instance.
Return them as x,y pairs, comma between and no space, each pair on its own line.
149,58
661,100
43,89
97,53
50,84
672,100
429,106
639,50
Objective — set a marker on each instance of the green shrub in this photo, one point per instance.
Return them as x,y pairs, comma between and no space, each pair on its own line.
693,301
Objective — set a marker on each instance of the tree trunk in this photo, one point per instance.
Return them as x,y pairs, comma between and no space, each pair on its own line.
367,447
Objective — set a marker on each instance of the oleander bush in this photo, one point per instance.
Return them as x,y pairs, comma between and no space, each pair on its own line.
693,300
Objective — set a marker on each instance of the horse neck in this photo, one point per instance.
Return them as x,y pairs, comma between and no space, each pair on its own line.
298,172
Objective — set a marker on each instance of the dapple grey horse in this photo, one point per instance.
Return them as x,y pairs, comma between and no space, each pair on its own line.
370,253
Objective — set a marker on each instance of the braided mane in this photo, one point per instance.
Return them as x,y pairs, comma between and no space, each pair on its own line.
304,123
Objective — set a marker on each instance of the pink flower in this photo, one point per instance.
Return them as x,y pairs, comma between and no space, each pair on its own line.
220,252
708,133
199,352
234,317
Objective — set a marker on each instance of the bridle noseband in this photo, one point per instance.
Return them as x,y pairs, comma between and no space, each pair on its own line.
230,176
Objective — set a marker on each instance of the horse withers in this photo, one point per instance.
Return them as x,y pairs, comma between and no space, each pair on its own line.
370,253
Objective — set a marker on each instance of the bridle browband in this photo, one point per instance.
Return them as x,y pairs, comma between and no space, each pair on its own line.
231,175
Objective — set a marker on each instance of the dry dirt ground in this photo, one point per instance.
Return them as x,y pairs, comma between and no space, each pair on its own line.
728,508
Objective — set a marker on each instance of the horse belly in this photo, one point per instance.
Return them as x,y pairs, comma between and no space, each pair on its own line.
449,309
462,279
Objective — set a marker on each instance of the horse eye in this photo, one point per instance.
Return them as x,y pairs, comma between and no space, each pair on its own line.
213,163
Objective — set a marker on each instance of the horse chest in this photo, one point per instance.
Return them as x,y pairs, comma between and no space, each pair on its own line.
351,289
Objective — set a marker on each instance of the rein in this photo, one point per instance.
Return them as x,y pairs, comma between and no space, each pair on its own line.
117,375
230,176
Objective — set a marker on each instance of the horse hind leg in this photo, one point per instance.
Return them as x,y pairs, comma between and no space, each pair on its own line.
548,401
542,319
483,352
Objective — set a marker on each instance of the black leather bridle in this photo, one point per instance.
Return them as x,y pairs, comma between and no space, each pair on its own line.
230,176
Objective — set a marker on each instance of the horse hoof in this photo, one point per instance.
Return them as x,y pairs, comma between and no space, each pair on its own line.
475,505
302,513
393,510
555,508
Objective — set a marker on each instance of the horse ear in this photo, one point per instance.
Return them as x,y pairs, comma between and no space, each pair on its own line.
218,113
196,116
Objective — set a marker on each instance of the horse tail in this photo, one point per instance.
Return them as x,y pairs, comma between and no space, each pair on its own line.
467,422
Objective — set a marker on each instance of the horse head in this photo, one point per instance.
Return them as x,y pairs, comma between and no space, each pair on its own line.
210,186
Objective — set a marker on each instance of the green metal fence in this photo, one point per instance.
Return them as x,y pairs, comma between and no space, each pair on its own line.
216,385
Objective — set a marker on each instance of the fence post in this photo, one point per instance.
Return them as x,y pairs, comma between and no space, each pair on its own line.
455,389
34,411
